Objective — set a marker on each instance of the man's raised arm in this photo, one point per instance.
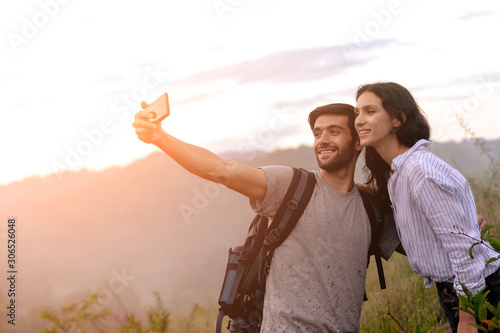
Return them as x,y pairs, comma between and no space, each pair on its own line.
249,181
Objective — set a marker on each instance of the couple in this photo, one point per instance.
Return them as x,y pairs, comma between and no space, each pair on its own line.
317,276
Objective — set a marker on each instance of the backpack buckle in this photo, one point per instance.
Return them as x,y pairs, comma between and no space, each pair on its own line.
292,204
272,237
243,258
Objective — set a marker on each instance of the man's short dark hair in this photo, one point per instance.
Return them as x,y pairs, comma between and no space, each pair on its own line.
337,109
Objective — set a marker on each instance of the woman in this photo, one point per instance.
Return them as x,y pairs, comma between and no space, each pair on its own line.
433,205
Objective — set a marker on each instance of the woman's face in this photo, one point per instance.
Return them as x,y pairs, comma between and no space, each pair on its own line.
373,123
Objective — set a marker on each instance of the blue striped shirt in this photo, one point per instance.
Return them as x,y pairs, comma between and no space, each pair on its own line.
436,219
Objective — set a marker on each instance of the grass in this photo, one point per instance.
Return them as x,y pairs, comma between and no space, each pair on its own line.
405,300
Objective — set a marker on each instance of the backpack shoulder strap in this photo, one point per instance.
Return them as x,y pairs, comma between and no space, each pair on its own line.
298,194
376,224
293,205
291,208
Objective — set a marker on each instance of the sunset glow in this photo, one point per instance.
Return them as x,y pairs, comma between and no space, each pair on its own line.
74,73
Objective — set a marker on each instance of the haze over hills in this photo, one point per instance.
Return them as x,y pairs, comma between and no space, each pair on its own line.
151,226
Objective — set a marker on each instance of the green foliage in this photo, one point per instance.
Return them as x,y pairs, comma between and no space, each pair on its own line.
407,327
200,320
79,318
158,321
486,314
91,316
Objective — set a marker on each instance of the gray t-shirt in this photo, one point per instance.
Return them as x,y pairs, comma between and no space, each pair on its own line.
317,275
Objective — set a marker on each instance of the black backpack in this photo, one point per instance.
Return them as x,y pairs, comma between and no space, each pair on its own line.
242,294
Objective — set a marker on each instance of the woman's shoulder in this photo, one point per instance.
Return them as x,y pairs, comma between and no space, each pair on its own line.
427,167
427,164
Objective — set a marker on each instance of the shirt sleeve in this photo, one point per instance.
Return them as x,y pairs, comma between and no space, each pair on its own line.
278,180
451,219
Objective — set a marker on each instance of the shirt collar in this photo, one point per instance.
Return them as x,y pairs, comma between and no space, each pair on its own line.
399,160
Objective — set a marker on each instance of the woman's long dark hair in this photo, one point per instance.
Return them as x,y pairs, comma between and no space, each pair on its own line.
400,104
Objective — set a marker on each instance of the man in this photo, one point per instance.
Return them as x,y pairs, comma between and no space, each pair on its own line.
317,276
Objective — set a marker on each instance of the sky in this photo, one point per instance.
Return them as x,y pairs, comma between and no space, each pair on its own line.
242,75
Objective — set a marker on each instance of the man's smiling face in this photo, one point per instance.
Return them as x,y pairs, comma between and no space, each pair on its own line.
334,145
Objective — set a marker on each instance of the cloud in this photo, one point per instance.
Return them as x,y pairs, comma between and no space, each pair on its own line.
312,102
472,81
289,66
474,15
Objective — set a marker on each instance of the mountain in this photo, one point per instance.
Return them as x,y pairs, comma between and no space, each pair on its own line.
151,226
467,157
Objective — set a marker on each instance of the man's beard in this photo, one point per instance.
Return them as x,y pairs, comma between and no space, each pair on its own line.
337,162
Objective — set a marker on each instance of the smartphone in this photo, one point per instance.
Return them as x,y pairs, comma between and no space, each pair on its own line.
159,108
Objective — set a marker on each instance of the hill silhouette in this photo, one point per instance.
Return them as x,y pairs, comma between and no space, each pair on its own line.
150,226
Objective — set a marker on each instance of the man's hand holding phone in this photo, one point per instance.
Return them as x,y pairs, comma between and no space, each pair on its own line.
147,122
159,109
